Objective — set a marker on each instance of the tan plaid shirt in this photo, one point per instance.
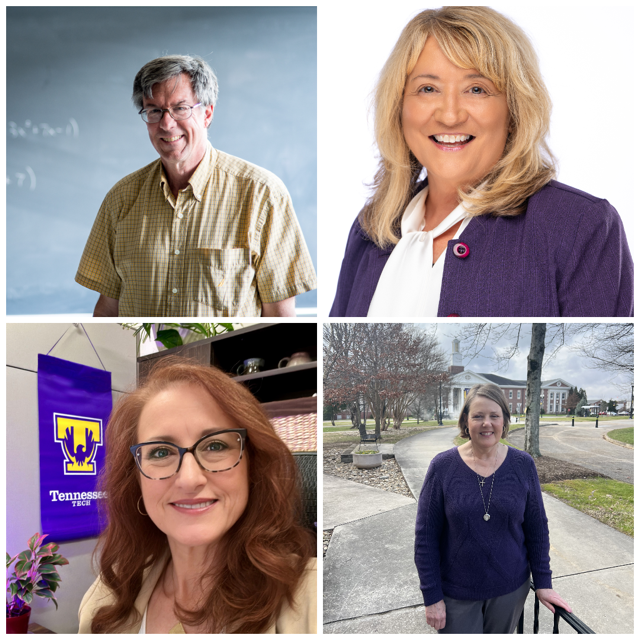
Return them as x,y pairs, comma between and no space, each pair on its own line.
227,244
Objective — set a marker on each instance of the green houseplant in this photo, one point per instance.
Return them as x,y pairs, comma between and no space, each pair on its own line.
34,574
170,337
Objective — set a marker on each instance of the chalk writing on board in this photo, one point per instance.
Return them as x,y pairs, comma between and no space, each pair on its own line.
32,129
26,179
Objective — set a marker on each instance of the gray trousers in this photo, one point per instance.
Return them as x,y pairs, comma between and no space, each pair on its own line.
496,615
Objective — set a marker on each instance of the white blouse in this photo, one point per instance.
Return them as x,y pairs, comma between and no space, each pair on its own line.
410,282
143,626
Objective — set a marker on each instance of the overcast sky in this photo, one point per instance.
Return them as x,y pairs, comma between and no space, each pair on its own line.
567,364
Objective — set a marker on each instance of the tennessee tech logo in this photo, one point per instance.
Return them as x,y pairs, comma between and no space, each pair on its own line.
79,438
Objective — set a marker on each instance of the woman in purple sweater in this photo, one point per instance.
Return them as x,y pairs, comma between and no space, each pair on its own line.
488,231
481,528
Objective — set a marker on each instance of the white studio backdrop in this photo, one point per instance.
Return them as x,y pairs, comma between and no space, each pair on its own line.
586,56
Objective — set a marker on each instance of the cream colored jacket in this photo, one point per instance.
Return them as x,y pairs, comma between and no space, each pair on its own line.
301,619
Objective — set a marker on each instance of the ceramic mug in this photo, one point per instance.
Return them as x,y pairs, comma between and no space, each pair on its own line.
301,357
251,365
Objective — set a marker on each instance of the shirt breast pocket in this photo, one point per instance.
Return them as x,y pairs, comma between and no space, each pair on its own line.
221,279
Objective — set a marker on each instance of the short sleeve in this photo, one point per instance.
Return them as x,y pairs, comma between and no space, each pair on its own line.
97,270
283,267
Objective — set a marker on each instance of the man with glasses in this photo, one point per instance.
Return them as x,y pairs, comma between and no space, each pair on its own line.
197,232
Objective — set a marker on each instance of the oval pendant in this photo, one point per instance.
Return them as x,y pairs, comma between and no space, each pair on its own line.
486,517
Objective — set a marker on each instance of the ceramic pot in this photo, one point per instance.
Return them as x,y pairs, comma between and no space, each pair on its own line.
19,624
301,357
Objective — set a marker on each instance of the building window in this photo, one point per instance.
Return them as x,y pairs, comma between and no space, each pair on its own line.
510,394
510,409
518,394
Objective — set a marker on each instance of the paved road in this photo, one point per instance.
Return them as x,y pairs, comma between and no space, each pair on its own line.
584,445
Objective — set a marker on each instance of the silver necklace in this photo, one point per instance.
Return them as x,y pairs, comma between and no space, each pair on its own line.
486,515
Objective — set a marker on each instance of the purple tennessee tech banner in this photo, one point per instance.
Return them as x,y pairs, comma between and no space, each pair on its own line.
74,404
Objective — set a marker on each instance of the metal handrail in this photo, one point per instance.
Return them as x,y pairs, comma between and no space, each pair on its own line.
571,619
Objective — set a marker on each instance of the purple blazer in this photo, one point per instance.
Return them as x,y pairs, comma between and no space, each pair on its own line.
565,256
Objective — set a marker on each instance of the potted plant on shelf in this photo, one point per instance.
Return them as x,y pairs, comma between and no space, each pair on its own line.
175,334
367,459
34,574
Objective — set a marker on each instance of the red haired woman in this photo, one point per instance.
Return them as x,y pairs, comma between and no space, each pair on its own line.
207,542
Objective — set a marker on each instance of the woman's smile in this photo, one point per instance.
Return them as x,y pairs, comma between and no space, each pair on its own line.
454,120
193,507
485,422
452,142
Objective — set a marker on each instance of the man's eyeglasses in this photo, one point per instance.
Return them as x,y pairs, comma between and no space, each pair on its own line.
215,452
154,115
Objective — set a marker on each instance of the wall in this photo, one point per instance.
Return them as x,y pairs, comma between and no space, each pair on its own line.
117,349
73,132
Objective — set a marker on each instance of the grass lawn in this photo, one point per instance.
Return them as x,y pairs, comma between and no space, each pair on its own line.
345,425
623,435
347,435
609,501
550,417
388,437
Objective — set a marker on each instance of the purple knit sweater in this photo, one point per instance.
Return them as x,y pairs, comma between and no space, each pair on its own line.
460,555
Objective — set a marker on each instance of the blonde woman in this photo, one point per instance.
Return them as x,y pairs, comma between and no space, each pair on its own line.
488,231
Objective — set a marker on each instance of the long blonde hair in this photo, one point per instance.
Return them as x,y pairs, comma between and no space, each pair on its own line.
471,38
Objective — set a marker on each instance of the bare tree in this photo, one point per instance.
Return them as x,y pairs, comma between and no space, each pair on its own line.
608,347
534,383
546,341
341,381
387,365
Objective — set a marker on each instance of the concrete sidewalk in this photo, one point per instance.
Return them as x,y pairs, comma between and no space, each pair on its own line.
371,584
346,501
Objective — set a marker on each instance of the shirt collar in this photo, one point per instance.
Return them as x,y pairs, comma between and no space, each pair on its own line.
413,217
198,181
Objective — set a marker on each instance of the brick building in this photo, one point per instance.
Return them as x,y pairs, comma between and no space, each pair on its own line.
553,396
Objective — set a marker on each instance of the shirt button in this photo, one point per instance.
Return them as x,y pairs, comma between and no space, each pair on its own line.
174,291
460,250
180,215
177,252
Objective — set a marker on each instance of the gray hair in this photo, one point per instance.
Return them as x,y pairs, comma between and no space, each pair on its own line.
492,392
203,80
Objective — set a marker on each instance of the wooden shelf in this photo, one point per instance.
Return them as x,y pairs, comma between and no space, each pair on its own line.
269,341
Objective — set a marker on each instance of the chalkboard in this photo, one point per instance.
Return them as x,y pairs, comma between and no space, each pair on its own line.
73,132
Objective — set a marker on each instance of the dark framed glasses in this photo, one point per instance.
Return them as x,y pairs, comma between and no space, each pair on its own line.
215,452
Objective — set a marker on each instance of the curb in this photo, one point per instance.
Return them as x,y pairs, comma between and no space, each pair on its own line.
620,444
